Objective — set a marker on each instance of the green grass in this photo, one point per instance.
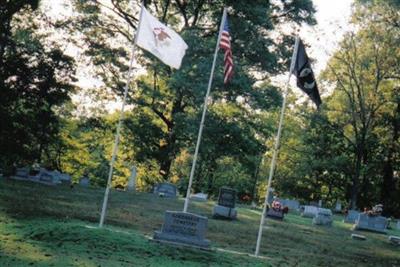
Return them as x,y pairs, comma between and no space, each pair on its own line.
57,226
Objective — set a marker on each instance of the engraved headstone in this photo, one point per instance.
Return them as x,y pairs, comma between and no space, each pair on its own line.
183,228
132,180
309,211
351,216
323,217
226,204
371,223
165,190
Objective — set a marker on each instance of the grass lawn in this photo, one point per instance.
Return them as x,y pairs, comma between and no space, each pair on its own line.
57,226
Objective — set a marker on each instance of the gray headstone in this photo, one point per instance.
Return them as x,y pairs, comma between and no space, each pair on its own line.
84,181
358,237
183,228
309,211
320,203
398,224
224,212
371,223
351,217
227,197
291,204
338,207
22,172
165,190
323,217
275,214
199,197
394,240
132,180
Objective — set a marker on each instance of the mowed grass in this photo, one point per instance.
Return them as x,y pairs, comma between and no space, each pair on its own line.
57,226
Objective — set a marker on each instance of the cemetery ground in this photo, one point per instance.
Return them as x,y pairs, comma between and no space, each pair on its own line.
57,226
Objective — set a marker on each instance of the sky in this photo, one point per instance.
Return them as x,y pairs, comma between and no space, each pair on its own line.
332,22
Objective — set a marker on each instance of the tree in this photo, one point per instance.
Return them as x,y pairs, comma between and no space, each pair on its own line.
360,72
35,81
172,99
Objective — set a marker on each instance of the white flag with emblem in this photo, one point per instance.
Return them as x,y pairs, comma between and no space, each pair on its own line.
160,40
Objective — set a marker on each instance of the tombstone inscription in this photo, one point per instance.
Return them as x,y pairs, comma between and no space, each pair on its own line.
226,204
183,228
371,223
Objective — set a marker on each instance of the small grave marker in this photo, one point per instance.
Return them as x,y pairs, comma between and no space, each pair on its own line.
395,240
358,237
165,190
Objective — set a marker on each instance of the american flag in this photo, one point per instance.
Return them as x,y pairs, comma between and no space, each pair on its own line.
225,44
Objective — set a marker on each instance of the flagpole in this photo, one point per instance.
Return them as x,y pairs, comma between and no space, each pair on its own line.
119,126
276,149
185,207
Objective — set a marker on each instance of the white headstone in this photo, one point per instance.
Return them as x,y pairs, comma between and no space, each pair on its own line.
338,206
132,180
320,203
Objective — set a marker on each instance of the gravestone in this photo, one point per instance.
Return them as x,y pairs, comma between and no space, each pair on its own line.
351,216
84,181
184,229
338,207
226,204
132,180
323,217
22,173
199,197
46,177
398,224
165,190
358,237
65,178
309,211
275,214
371,223
291,204
395,240
320,203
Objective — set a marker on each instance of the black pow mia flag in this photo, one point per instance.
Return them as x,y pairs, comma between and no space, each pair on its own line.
305,76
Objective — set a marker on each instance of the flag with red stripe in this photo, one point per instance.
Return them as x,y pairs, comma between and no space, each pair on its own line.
225,44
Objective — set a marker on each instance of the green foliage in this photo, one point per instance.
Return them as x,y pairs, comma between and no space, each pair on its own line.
35,84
